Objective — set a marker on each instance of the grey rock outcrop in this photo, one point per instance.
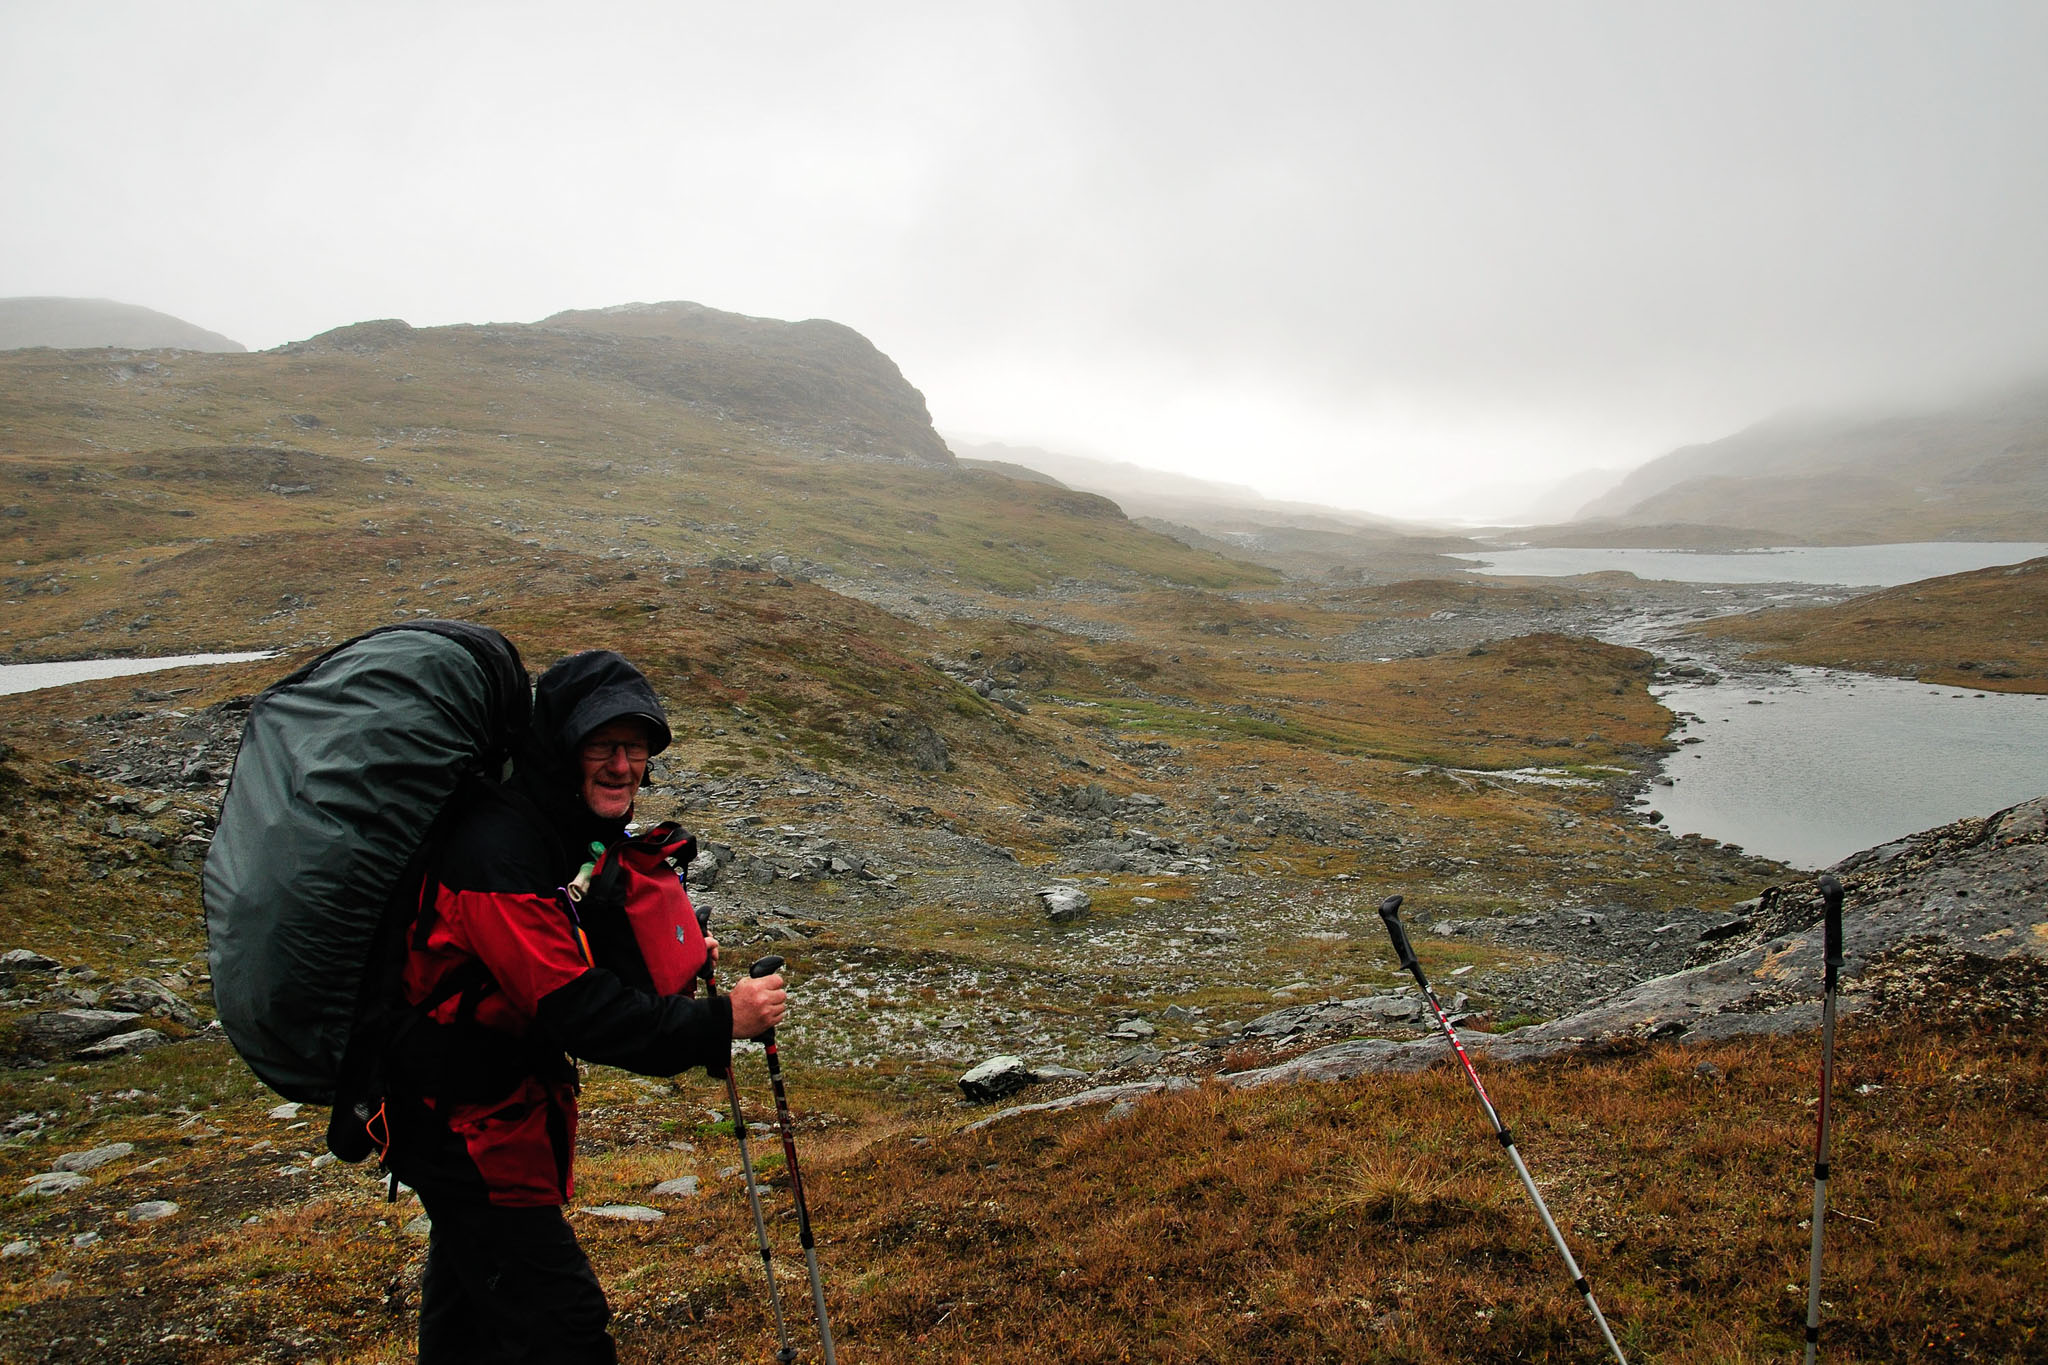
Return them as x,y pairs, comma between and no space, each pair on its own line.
63,1033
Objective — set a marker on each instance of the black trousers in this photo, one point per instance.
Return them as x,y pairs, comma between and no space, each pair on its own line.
508,1284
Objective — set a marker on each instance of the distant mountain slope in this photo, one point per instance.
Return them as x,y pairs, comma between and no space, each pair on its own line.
1971,472
1202,503
77,324
1299,539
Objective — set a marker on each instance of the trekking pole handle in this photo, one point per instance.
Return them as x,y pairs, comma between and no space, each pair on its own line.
1390,914
766,966
708,971
1831,914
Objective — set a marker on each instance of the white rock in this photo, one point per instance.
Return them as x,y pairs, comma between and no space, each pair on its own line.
626,1213
55,1182
85,1239
151,1210
288,1110
682,1187
419,1227
13,1249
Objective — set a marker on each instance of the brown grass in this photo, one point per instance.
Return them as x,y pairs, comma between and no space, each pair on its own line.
1371,1221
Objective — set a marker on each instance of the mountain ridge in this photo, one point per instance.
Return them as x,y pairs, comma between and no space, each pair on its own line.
64,323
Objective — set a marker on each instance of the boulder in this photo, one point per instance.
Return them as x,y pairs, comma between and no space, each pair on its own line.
995,1078
55,1182
1064,903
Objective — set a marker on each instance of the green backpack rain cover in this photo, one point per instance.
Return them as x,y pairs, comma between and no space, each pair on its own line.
344,771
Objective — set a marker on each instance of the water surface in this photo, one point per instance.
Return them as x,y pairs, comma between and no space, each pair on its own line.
32,677
1860,566
1826,763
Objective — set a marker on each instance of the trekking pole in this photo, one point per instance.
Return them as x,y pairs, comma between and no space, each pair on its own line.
768,966
1831,957
785,1352
1390,911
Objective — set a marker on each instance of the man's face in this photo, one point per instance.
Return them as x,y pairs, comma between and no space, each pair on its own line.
614,759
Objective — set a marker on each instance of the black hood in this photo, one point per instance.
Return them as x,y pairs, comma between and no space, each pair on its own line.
576,696
585,691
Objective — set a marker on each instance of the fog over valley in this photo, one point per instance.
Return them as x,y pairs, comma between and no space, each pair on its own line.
1411,261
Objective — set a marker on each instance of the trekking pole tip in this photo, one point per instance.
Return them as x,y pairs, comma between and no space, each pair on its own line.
767,966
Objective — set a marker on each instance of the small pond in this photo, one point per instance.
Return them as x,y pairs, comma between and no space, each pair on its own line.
1810,765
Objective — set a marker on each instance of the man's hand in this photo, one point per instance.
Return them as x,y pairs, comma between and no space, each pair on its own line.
758,1004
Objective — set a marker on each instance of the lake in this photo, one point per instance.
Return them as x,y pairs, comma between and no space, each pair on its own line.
32,677
1809,766
1860,566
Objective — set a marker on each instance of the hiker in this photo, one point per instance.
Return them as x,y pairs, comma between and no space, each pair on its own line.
483,1107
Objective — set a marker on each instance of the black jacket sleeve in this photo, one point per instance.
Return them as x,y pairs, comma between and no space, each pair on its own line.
599,1018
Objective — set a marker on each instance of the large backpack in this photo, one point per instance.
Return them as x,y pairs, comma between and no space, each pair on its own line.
346,770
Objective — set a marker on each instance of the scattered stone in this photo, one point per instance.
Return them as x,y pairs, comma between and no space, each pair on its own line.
286,1111
26,960
151,1211
93,1158
154,998
419,1227
995,1078
85,1239
55,1182
682,1187
13,1249
625,1213
1120,1109
1133,1029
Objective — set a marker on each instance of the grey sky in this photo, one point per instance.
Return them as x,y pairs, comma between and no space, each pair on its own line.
1376,255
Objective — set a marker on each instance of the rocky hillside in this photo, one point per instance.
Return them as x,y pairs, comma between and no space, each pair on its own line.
1977,471
73,324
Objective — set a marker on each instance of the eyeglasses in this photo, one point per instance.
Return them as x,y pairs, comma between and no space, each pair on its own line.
601,750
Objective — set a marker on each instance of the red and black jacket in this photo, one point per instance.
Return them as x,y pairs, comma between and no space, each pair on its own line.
524,980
